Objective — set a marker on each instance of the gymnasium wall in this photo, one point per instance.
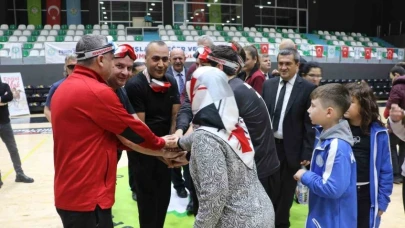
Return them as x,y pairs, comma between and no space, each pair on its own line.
47,74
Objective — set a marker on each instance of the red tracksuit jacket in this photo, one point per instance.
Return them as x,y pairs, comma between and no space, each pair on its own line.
86,116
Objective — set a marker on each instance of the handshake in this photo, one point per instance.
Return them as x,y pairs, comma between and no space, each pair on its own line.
173,155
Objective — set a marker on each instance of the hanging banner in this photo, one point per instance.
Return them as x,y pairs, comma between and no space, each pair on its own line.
214,11
15,50
367,53
264,48
331,52
319,51
34,12
345,52
19,105
73,12
390,53
379,53
356,52
53,12
400,54
55,52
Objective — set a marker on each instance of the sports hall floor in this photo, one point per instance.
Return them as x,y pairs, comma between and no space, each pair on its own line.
32,206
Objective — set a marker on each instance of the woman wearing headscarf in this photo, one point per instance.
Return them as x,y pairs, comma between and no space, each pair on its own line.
222,163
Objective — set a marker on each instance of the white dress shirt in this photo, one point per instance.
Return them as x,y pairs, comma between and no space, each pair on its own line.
183,76
279,133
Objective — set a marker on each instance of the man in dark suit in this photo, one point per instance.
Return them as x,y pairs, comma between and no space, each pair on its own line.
179,72
287,98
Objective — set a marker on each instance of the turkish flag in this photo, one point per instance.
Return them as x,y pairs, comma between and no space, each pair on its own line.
345,52
390,53
53,12
319,51
264,48
367,53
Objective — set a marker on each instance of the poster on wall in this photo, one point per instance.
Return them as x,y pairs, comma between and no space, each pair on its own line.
19,105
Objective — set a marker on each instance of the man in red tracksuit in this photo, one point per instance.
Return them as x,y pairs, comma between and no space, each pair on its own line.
87,117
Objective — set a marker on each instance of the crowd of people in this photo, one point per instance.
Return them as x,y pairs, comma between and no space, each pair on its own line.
235,135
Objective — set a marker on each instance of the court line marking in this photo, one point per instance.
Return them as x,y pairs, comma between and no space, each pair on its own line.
32,151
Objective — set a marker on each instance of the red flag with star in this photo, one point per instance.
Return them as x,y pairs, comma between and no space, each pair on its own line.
319,51
390,53
264,48
367,53
53,12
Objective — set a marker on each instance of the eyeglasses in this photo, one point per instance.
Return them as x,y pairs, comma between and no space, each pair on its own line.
315,76
124,50
71,67
158,58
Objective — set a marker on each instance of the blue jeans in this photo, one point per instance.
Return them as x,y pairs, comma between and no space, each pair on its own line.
7,135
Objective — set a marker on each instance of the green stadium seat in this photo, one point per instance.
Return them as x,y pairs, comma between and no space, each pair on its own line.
32,39
62,32
114,37
178,32
176,27
239,28
113,26
112,32
272,40
1,46
198,27
219,28
35,33
278,30
138,38
28,46
303,36
60,39
3,38
284,35
228,39
89,27
181,38
88,31
25,53
251,40
201,33
245,34
259,29
265,34
12,27
38,27
64,27
8,33
224,34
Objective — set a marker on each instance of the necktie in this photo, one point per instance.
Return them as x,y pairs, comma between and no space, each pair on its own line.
279,106
181,82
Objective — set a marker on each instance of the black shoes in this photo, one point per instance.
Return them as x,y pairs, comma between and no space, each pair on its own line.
190,208
182,193
134,196
398,180
21,177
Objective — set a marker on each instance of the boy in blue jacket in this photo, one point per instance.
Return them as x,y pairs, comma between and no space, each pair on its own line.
332,178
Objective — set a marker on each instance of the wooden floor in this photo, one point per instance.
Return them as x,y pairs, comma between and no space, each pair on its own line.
32,205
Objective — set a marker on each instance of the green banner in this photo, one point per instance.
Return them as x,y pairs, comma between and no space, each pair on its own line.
215,12
34,12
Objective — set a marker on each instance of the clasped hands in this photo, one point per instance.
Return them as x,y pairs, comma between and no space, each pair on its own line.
173,156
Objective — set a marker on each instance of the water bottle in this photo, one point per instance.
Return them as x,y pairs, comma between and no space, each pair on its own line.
302,192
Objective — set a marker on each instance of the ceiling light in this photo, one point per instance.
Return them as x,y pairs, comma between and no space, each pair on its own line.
216,1
150,9
202,10
101,3
105,18
269,3
237,16
233,19
104,13
153,4
186,20
148,14
208,5
261,7
223,24
196,14
191,17
105,23
227,21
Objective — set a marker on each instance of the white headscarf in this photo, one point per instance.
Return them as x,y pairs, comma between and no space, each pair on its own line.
215,110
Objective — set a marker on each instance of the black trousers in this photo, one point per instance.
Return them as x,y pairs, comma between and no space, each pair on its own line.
152,182
177,178
397,155
99,218
131,171
272,186
287,189
363,206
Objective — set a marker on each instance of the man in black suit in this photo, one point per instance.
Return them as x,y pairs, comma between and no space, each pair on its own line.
287,98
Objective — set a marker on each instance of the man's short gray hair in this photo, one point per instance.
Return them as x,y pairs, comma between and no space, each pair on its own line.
289,51
205,38
265,56
158,42
90,42
70,57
